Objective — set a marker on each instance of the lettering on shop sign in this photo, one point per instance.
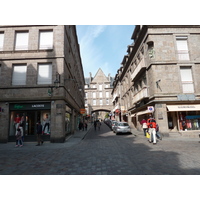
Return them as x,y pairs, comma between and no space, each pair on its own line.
16,106
38,106
186,106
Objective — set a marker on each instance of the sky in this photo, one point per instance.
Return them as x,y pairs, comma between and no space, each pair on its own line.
103,46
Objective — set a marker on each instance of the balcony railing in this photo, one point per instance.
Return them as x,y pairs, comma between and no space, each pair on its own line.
140,95
139,67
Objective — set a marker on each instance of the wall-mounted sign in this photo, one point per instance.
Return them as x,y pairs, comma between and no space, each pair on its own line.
150,108
30,106
82,111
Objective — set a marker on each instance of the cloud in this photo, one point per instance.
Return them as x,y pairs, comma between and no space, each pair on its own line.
92,52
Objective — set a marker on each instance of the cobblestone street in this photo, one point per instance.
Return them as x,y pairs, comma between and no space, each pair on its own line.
103,153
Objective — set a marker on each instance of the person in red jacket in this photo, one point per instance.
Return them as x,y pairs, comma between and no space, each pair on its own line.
151,123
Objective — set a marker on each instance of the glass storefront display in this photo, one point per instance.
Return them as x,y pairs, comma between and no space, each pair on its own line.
189,120
28,115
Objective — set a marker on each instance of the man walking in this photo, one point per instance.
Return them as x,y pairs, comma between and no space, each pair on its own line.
151,123
39,134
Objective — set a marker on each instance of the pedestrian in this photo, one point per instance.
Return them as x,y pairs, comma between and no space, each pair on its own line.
95,125
151,123
98,124
158,135
22,132
80,126
144,126
39,134
18,138
85,126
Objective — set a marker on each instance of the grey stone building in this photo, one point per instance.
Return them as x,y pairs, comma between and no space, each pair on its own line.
41,79
98,94
160,74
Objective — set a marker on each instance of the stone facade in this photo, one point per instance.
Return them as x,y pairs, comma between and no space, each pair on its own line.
161,70
98,94
61,102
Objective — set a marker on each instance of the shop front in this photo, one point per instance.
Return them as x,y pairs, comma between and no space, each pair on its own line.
185,117
28,115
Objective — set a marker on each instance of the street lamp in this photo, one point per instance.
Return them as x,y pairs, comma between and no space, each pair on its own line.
56,84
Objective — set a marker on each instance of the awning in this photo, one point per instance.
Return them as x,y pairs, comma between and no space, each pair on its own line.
143,112
183,107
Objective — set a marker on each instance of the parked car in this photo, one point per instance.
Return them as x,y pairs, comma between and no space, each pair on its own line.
113,124
122,127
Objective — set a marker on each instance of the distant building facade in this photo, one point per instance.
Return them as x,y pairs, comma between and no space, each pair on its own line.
160,73
98,94
41,79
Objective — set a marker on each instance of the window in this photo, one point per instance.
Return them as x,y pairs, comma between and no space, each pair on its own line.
101,102
94,102
107,94
107,101
46,40
19,75
45,73
86,95
100,87
94,94
1,41
182,48
100,95
21,41
187,80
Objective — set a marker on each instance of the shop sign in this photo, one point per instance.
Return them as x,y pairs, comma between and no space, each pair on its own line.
33,106
82,111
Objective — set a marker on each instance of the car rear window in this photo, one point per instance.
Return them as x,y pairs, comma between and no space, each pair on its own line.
123,124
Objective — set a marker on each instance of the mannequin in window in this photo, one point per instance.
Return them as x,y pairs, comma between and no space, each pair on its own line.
17,121
46,124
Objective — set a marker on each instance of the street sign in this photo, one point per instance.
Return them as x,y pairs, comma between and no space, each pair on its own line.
150,108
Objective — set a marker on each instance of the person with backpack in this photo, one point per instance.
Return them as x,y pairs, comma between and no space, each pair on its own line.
151,123
18,138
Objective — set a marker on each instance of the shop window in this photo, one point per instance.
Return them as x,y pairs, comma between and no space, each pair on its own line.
1,41
45,73
21,41
182,48
19,75
46,40
187,80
